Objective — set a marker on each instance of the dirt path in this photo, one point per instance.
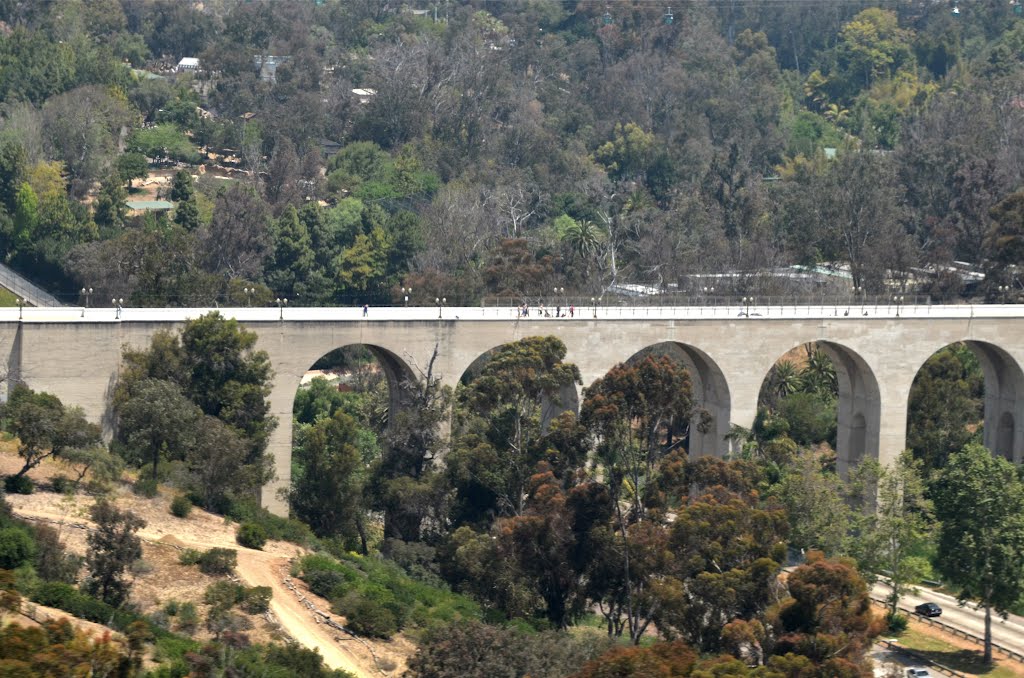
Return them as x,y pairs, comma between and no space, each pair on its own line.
294,617
255,568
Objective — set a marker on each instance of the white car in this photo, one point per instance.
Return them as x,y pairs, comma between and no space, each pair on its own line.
918,673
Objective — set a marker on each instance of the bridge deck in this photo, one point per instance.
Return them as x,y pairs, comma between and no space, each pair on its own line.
65,314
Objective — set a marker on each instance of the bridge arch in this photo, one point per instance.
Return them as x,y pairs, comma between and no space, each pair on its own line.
395,370
858,403
1003,397
710,395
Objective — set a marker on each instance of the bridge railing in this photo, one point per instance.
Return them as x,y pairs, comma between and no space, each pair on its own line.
703,300
735,313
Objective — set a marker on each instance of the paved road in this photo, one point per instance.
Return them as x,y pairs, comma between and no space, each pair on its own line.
841,313
1009,632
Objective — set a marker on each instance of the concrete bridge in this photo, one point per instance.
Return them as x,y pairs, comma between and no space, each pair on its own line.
877,350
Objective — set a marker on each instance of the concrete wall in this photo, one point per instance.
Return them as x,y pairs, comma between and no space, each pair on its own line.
876,359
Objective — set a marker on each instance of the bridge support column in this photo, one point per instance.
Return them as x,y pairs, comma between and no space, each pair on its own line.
710,394
892,427
858,433
1004,401
273,495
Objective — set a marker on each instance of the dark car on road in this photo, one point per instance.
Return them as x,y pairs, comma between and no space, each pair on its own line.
928,610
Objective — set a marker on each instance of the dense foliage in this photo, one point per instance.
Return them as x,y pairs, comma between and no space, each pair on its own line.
508,148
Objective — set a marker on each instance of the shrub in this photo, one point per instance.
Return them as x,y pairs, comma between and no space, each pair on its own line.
16,548
251,535
897,622
359,587
19,485
145,487
61,484
256,600
327,583
190,557
188,619
140,567
276,527
161,619
223,594
171,608
181,507
66,597
368,617
218,561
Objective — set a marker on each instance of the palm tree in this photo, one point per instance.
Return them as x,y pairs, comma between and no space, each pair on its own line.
584,238
819,375
836,114
785,378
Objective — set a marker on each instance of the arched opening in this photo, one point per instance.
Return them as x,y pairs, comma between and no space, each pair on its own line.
346,404
707,431
819,394
970,391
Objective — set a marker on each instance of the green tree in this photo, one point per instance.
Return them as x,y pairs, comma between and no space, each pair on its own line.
214,365
291,260
221,464
110,210
328,492
13,165
897,525
727,554
637,412
227,377
26,219
629,152
183,195
45,427
405,483
499,425
1005,240
814,497
186,215
945,404
979,501
113,547
131,166
157,422
871,46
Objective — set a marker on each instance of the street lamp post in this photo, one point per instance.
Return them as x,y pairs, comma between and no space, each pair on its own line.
560,292
440,301
858,293
281,303
898,301
21,308
116,303
747,302
248,295
406,291
1004,291
86,292
593,302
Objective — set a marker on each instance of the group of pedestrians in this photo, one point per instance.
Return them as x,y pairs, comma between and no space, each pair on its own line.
523,311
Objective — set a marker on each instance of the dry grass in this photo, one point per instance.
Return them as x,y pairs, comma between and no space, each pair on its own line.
956,653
